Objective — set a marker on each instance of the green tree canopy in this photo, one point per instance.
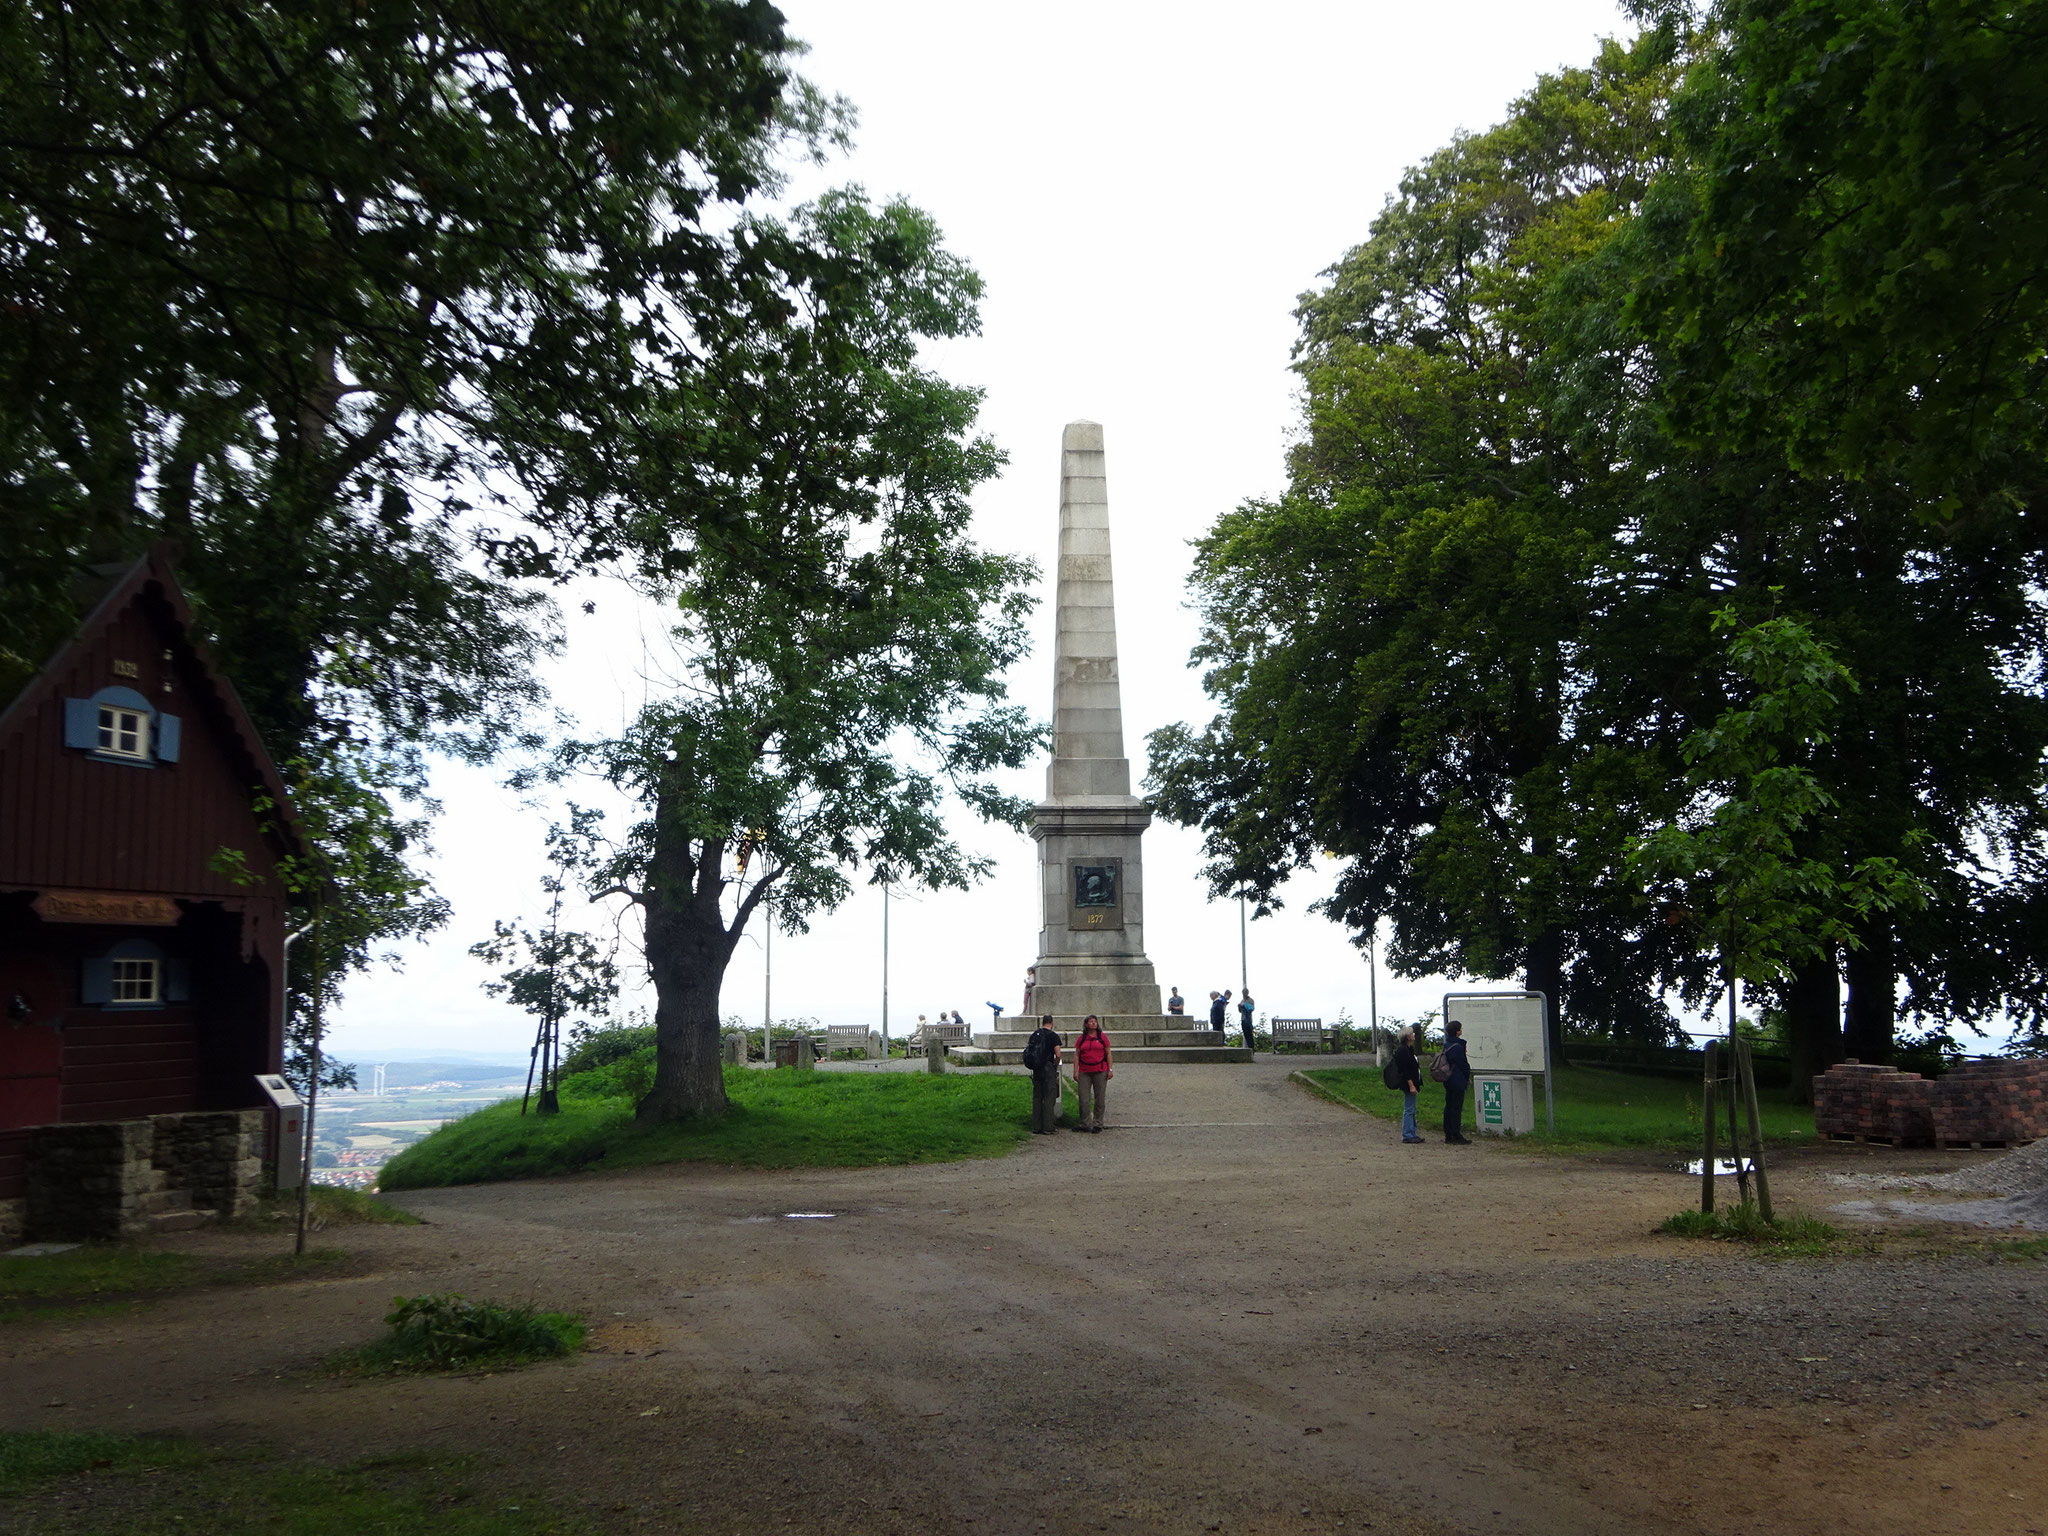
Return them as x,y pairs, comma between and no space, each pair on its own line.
838,638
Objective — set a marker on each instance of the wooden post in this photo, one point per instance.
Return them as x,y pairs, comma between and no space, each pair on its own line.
1711,1053
1756,1129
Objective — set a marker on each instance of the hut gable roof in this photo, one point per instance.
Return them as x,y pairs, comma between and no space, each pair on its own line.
67,820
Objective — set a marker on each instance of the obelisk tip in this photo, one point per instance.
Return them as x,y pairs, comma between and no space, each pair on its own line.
1082,437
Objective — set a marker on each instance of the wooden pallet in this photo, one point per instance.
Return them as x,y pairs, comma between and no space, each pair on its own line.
1978,1146
1858,1136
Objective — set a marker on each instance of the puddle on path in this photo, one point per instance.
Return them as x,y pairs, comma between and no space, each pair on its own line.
1724,1167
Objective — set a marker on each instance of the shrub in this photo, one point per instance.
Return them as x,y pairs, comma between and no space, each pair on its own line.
590,1049
450,1332
626,1076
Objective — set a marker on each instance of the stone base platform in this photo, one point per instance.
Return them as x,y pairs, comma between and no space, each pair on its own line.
1133,1038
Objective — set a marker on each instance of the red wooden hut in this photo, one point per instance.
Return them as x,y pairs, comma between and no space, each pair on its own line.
138,984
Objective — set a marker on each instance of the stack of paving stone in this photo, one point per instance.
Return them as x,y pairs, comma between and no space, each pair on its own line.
1872,1103
1991,1101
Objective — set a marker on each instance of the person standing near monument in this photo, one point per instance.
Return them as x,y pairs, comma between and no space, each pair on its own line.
1092,1072
1456,1081
1176,1004
1030,986
1216,1011
1244,1018
1042,1056
1407,1070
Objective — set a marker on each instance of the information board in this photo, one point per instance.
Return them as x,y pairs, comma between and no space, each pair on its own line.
1503,1030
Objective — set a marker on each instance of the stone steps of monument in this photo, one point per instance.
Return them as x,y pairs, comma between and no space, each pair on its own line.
1119,1039
1131,1055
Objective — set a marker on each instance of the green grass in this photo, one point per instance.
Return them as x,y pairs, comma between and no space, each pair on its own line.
154,1487
102,1278
1596,1107
449,1332
777,1120
31,1456
1787,1237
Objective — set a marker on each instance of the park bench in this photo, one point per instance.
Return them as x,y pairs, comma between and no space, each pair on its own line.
1296,1031
950,1033
846,1037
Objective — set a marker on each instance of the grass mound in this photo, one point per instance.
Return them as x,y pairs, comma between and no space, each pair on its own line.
1596,1107
777,1120
448,1332
1746,1224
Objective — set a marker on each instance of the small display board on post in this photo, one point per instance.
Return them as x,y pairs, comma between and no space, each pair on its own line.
1506,1033
291,1128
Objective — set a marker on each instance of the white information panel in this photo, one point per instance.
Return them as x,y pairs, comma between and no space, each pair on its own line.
1503,1031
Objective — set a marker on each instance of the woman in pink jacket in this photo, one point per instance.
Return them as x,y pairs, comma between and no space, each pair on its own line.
1092,1072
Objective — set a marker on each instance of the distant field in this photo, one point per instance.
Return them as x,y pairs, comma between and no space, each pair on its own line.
1596,1106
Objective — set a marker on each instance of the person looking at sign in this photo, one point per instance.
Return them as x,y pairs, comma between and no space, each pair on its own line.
1407,1070
1092,1072
1456,1078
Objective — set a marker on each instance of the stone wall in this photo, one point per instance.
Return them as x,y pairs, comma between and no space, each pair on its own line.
92,1180
215,1156
125,1178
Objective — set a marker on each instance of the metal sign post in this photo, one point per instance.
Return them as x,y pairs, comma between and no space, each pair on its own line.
1507,1032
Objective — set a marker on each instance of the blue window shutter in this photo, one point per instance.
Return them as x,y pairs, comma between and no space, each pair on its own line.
167,734
96,984
177,981
81,723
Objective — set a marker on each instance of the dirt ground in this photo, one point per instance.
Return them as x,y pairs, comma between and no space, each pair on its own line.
1242,1309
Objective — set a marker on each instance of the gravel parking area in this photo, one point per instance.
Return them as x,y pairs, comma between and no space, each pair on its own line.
1241,1309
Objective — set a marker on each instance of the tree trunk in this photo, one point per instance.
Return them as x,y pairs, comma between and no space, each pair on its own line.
1545,974
688,946
686,959
1873,995
1813,1023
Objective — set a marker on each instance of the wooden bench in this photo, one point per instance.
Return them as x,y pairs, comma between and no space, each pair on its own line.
948,1032
846,1037
1295,1031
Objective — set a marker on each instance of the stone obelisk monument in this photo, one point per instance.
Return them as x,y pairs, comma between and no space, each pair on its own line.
1091,872
1091,947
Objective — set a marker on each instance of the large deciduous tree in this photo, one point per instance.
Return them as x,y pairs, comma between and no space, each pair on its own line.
322,290
1843,270
1407,646
839,639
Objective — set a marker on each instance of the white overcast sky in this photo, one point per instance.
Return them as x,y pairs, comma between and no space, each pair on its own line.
1146,189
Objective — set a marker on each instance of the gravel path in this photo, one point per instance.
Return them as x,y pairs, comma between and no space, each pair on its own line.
1241,1309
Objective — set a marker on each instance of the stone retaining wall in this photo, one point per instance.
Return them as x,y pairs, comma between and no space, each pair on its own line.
108,1178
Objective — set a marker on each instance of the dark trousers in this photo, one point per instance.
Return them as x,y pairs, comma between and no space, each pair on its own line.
1247,1032
1045,1099
1454,1111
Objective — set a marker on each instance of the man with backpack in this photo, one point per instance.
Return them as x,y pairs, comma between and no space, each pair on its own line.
1244,1018
1404,1072
1042,1056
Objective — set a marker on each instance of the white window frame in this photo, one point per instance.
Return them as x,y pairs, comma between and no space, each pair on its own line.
117,721
137,981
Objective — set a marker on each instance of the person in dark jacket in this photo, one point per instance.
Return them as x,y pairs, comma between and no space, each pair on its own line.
1042,1056
1454,1089
1216,1006
1408,1068
1244,1018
